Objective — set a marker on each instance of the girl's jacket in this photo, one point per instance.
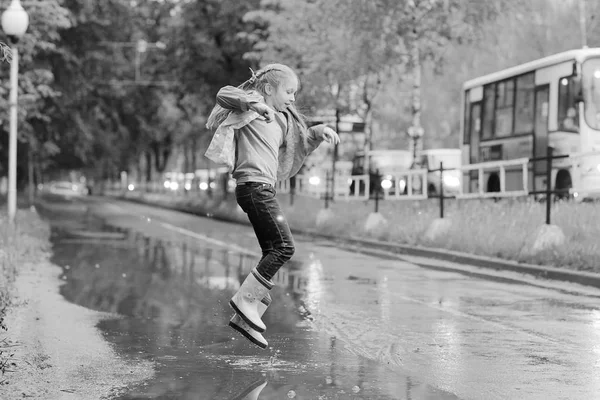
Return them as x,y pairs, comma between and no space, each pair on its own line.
299,142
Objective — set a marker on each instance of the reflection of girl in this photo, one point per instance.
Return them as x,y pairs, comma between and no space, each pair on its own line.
261,136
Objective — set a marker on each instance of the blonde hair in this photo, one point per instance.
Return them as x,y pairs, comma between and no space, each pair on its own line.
273,74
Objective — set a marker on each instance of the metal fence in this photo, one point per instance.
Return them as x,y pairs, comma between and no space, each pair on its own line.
418,184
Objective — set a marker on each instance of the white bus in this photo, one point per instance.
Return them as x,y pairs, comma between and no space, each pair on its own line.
518,112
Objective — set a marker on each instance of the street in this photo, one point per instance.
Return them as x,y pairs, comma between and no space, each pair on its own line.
342,325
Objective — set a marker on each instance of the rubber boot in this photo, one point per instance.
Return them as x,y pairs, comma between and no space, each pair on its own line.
242,327
252,391
246,300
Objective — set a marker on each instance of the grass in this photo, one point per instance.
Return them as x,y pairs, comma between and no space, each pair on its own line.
26,241
503,229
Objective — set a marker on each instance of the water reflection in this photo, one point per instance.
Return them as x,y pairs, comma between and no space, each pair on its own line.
173,296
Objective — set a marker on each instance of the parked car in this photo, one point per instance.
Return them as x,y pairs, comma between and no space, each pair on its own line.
64,189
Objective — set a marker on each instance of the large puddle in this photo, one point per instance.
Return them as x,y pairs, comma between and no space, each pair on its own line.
172,297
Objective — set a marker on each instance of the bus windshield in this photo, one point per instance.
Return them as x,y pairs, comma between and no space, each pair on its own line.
591,92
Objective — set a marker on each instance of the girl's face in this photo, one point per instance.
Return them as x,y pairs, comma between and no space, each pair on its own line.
284,95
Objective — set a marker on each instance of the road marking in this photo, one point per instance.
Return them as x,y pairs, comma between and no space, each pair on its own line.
208,239
199,236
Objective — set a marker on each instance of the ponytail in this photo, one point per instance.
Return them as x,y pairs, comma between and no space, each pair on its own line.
272,74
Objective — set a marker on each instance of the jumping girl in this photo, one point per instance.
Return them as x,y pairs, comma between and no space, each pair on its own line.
263,138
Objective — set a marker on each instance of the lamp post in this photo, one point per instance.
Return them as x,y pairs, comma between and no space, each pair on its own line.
15,21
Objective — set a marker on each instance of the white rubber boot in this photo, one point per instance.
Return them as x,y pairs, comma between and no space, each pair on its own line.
242,327
246,300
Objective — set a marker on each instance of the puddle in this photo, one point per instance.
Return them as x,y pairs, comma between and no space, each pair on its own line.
172,300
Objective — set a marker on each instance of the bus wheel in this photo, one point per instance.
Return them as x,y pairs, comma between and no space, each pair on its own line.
493,184
563,185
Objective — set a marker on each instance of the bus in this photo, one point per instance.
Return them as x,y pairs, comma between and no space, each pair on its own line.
519,112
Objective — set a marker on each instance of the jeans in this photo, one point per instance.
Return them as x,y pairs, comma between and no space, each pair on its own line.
270,226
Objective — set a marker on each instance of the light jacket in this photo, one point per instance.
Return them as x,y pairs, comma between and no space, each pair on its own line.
299,142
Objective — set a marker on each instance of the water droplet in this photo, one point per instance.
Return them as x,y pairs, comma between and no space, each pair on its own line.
124,275
356,389
97,266
67,267
291,394
148,220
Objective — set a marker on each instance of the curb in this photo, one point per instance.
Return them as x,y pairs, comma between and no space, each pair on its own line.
538,271
545,272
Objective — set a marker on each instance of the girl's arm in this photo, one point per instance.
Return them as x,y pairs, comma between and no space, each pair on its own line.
319,133
235,99
315,136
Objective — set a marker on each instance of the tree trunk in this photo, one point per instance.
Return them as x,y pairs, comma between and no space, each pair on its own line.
368,137
194,155
582,23
335,148
186,157
416,130
368,118
148,173
30,174
38,171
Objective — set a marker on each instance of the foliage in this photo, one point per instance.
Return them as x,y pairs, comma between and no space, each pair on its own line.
5,52
36,78
84,104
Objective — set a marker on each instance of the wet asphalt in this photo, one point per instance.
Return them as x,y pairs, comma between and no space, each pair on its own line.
342,325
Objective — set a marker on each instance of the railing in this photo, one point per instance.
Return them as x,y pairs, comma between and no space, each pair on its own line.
407,185
414,184
283,186
501,167
320,187
356,182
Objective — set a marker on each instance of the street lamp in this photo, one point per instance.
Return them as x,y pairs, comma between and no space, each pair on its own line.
14,23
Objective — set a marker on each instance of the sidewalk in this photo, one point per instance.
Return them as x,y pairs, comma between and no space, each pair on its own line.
376,247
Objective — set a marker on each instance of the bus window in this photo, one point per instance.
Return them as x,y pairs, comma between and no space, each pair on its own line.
504,108
489,95
591,92
568,119
524,107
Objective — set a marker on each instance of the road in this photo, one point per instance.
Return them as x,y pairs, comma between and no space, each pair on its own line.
343,325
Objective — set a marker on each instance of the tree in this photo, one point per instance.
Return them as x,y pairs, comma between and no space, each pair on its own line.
36,92
5,52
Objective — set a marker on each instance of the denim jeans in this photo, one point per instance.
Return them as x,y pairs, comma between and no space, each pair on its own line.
270,226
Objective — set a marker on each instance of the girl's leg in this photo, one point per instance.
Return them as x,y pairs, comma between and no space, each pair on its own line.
270,226
275,239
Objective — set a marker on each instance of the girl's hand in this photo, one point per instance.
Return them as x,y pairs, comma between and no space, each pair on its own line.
330,136
263,110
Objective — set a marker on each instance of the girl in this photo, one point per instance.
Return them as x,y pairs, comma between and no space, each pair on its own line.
263,139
